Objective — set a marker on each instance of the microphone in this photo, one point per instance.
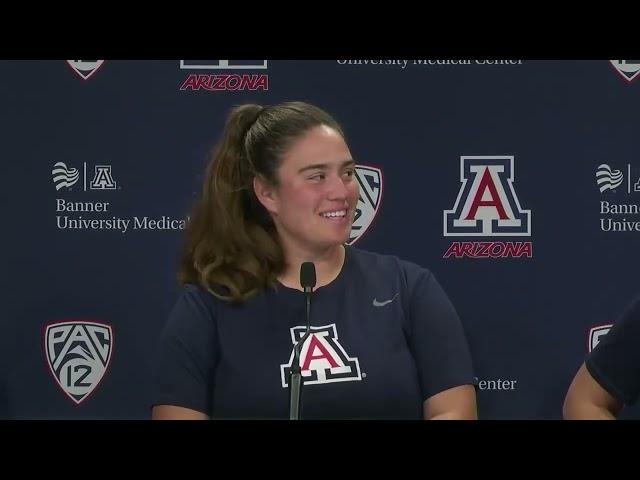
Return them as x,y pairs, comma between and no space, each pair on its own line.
307,276
307,282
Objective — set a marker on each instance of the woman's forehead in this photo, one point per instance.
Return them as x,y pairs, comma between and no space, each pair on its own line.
320,145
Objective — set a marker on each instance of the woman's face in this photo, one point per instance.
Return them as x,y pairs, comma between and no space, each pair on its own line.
314,202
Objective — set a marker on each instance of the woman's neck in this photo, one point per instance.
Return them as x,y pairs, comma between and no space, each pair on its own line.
328,265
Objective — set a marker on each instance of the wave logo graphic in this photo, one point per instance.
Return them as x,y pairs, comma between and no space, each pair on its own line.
608,179
64,176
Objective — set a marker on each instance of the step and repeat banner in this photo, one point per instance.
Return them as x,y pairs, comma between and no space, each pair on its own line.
516,182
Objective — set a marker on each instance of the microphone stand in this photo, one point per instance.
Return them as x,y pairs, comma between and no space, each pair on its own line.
295,381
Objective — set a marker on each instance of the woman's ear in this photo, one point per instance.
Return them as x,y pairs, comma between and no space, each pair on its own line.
265,193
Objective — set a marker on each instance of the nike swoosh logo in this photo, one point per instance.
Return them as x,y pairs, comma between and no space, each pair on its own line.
376,303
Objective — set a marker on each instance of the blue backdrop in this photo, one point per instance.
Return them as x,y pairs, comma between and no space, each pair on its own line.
534,161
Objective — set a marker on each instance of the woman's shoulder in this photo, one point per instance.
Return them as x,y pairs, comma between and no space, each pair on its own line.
198,297
214,298
195,290
384,264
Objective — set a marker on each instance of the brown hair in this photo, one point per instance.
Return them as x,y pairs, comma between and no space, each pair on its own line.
231,244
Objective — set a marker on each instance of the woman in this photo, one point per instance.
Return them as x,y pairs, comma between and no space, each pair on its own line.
385,341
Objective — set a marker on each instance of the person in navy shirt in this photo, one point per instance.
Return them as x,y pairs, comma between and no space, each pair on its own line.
609,378
385,341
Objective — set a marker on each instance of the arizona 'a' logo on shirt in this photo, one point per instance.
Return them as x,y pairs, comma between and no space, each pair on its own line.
322,358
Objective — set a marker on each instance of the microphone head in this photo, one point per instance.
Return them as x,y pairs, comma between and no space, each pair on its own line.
307,275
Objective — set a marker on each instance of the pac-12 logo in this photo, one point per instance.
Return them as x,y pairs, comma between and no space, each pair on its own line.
78,355
595,335
487,206
85,68
628,69
370,184
322,358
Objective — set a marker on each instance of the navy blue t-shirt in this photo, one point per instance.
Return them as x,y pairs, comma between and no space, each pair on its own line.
615,362
385,337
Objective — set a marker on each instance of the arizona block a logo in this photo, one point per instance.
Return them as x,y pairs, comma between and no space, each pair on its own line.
487,206
322,358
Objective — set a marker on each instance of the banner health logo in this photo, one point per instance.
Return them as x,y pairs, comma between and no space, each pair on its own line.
487,206
85,68
78,355
64,176
322,358
628,69
608,179
614,215
595,335
229,75
370,184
